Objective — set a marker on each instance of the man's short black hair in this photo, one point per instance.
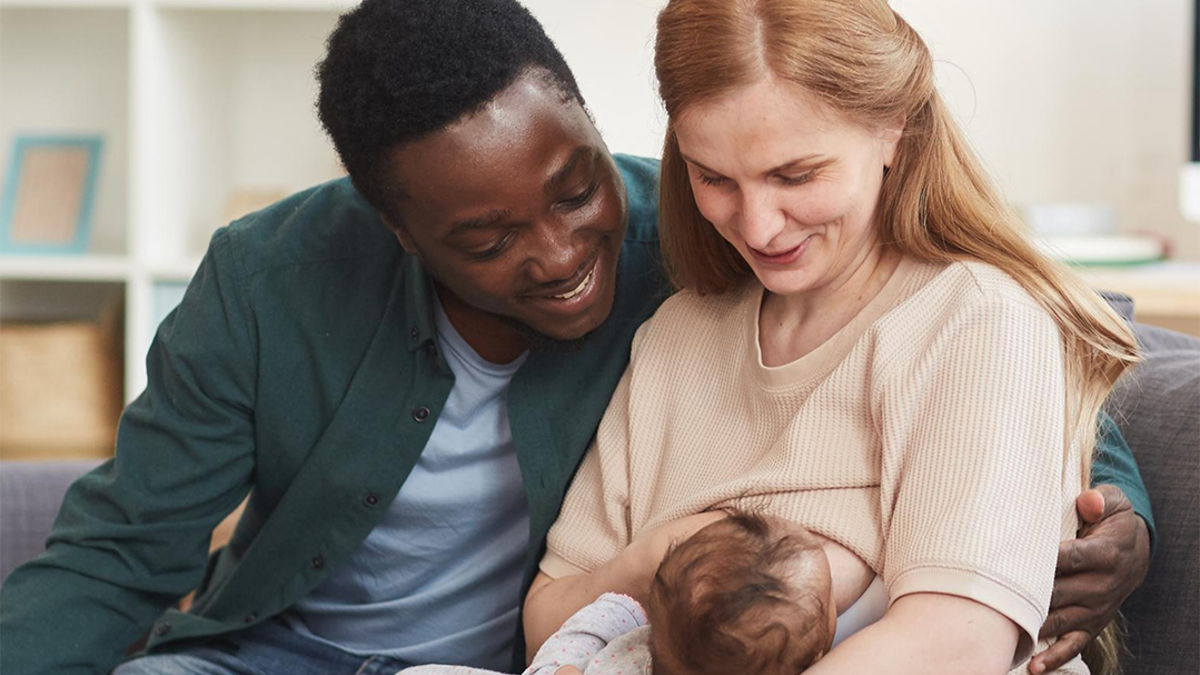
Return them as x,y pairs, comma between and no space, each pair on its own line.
398,70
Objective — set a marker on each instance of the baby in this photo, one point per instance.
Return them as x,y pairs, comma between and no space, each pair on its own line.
747,593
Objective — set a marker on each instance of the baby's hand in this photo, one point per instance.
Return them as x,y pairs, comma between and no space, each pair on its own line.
568,670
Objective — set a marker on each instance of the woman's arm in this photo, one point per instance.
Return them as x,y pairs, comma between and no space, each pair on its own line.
550,602
927,634
976,487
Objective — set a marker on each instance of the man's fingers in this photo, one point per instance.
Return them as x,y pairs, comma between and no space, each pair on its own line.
1115,501
1082,590
1065,620
1083,555
1067,648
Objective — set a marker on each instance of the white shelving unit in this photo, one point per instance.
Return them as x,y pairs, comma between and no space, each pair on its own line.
194,99
197,97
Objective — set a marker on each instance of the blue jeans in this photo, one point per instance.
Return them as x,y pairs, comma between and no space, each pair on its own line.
270,648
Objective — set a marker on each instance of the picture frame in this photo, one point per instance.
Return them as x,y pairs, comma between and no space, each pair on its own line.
49,194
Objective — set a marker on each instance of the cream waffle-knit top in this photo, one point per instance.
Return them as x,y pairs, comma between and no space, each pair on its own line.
927,436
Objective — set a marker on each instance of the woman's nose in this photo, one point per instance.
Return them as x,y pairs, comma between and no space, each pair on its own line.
761,219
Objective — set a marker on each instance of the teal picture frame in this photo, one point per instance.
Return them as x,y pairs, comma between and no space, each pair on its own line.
11,239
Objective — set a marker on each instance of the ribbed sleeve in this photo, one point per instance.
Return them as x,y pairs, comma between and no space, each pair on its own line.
972,483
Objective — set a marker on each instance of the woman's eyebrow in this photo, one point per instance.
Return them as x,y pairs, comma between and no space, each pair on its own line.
796,163
786,166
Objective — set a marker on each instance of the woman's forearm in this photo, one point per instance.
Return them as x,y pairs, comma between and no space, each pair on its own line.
550,602
927,634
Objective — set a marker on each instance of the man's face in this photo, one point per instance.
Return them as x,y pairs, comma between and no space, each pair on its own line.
518,211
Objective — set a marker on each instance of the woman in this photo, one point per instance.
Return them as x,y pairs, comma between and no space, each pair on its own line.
864,343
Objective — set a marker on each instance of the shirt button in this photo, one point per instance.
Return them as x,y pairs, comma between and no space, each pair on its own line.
251,617
412,334
318,563
162,629
371,499
420,413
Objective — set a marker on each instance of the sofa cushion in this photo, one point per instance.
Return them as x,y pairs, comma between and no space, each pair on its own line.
1158,410
30,495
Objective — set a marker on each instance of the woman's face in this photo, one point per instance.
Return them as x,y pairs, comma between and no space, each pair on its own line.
788,181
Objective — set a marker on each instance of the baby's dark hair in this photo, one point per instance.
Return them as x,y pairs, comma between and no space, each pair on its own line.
398,70
733,598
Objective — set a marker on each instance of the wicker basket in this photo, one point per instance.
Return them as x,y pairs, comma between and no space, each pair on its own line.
60,389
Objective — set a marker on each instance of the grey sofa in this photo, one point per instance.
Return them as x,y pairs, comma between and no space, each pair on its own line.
30,494
1158,409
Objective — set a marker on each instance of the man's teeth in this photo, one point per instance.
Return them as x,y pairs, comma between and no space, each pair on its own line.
578,289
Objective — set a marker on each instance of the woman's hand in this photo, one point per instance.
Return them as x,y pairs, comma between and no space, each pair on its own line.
1096,572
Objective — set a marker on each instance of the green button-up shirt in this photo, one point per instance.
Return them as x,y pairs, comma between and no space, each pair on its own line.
300,369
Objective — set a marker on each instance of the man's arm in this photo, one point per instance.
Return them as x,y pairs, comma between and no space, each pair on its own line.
1109,560
132,536
1115,465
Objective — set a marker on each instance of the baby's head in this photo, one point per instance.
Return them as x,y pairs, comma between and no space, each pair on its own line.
746,594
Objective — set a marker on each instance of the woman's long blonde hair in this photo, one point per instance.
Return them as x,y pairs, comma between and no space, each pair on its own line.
936,204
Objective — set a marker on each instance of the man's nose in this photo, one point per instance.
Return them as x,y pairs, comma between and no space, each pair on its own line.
555,253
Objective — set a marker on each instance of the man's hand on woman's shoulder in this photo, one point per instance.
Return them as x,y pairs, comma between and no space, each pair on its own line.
1096,573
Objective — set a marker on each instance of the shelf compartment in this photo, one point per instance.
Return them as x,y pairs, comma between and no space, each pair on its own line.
233,108
66,73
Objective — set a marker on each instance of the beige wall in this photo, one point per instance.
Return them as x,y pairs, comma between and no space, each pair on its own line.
1073,100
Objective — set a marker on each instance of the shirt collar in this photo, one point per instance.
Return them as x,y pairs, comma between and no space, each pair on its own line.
418,303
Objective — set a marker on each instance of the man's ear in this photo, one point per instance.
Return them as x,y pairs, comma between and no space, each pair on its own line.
400,232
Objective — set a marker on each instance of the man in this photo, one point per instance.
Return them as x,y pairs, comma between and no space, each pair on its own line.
403,374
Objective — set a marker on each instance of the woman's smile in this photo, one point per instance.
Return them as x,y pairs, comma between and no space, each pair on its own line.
781,258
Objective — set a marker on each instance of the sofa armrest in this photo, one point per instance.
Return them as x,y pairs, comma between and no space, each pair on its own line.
30,496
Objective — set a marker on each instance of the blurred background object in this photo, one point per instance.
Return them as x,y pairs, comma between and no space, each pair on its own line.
1088,234
48,194
60,387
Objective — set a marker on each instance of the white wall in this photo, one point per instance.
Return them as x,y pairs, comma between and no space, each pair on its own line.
1073,100
609,45
1066,100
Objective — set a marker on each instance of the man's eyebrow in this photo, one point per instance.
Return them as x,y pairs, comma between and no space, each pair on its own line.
564,172
484,221
799,161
